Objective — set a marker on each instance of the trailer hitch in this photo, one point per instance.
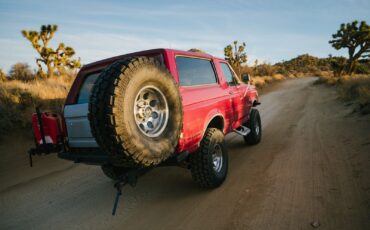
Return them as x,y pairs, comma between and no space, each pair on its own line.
130,177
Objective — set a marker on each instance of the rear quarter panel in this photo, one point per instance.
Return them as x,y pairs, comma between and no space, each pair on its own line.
200,104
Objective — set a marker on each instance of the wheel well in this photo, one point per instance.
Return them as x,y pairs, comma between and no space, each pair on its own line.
217,122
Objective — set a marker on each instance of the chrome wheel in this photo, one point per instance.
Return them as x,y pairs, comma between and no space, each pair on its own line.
151,111
217,158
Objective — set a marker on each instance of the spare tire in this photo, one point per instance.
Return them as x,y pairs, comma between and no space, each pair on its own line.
135,112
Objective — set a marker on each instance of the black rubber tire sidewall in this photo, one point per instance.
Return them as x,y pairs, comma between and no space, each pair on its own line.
254,119
201,163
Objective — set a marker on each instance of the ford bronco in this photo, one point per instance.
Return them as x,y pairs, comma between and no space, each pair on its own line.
152,108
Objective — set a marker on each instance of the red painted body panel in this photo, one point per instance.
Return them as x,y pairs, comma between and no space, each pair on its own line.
200,103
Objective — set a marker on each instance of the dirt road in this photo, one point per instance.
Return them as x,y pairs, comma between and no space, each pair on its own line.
313,164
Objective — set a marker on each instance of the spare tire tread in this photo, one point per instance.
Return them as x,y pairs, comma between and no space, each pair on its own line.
106,126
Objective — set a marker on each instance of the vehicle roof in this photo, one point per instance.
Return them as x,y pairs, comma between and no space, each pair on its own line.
151,51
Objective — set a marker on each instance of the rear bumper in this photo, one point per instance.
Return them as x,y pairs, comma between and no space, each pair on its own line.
93,156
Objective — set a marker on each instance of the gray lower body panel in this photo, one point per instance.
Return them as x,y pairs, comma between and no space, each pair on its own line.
78,126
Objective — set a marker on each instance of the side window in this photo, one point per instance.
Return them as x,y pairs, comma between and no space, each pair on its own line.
194,71
86,88
228,74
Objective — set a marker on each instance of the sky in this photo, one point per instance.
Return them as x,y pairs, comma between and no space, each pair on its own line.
273,30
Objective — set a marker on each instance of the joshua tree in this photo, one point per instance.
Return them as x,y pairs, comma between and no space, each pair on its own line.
356,39
58,59
236,55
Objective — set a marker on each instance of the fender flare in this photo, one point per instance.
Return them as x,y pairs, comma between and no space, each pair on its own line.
211,115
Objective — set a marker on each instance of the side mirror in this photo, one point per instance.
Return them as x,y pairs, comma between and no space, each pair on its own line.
246,77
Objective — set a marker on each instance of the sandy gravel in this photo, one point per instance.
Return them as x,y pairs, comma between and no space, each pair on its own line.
313,165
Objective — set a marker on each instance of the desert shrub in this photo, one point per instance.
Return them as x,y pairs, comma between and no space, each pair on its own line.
22,72
18,100
351,88
259,82
357,88
265,70
303,65
247,69
323,74
337,65
299,74
2,76
262,81
363,66
327,79
278,77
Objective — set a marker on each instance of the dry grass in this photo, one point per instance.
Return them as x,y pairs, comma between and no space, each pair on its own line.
351,88
18,100
328,80
262,81
356,88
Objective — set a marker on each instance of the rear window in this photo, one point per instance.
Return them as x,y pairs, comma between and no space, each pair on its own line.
194,71
90,79
87,88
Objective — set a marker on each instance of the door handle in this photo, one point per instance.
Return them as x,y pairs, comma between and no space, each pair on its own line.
231,92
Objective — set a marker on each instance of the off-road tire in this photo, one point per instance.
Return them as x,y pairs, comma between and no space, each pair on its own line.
111,112
254,124
113,172
201,162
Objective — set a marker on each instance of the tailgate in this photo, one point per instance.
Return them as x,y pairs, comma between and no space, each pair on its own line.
78,126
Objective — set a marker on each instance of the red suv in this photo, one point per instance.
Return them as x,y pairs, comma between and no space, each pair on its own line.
152,108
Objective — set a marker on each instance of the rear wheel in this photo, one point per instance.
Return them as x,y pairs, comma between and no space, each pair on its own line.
254,124
209,164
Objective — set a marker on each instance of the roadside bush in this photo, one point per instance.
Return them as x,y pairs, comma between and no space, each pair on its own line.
2,76
262,81
264,70
18,100
351,88
363,67
22,72
327,79
356,88
278,77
